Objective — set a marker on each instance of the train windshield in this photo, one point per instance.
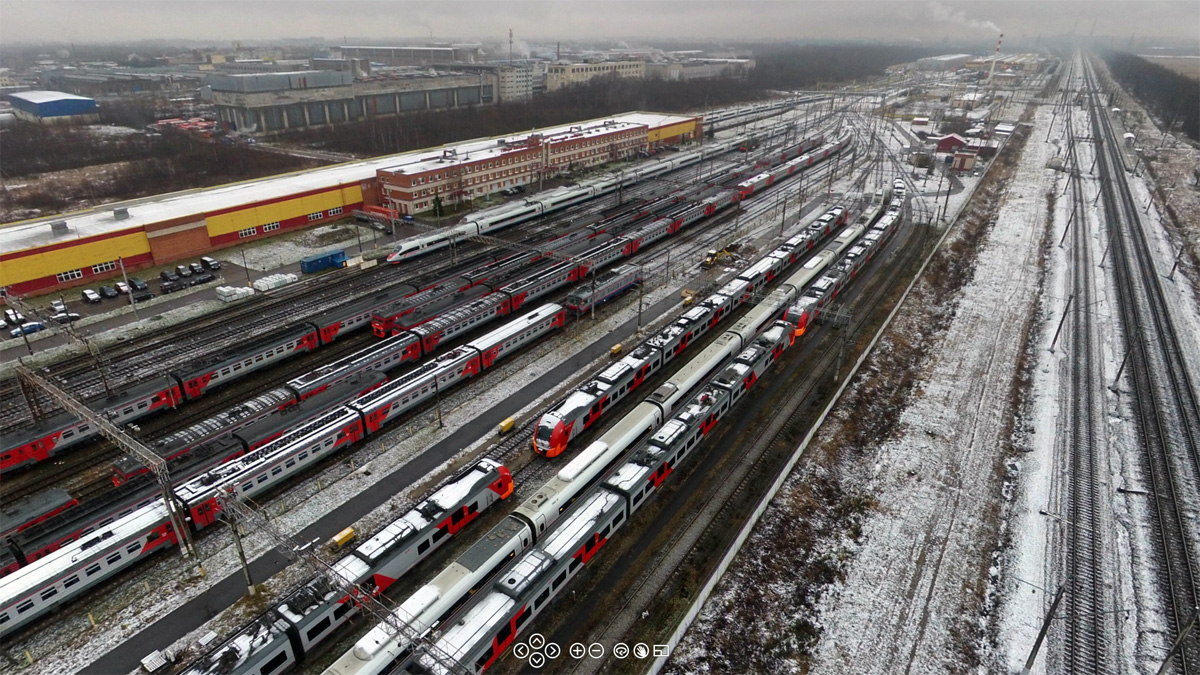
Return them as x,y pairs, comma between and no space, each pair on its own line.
543,433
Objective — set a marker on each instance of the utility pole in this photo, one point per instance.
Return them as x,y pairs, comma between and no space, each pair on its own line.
641,284
132,304
156,464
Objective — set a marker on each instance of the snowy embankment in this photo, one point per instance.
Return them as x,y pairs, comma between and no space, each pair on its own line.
874,558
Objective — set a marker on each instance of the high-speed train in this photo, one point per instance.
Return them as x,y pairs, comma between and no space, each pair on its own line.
380,650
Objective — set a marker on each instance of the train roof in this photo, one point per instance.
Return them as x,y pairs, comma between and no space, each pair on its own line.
36,575
483,550
458,639
21,511
515,326
353,361
525,571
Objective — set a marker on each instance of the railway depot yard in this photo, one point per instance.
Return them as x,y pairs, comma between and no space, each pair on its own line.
804,384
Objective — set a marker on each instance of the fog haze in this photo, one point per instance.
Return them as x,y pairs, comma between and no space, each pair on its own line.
403,20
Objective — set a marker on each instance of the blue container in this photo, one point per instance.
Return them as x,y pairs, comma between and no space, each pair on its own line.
323,261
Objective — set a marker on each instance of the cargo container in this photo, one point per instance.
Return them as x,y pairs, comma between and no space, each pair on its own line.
323,261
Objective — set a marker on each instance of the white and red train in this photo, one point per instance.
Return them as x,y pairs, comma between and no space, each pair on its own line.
482,630
280,638
432,606
584,405
61,576
767,178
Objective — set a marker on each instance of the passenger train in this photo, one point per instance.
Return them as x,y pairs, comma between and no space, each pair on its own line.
434,605
64,574
497,614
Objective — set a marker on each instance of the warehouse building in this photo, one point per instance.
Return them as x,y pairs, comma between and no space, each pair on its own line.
944,62
700,69
54,107
413,56
561,75
274,102
49,254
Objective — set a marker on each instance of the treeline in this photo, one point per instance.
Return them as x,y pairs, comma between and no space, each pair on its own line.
803,66
1169,96
777,67
147,166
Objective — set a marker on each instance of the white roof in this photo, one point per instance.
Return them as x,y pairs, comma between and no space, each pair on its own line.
158,208
47,96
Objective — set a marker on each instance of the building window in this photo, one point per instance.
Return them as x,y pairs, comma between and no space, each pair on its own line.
69,275
104,267
248,232
271,227
316,216
335,211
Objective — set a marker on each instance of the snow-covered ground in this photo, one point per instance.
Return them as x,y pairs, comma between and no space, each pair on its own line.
910,599
276,252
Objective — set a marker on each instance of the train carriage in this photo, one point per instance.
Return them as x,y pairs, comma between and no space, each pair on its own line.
237,362
603,288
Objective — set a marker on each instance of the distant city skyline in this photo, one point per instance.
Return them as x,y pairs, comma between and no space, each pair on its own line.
98,21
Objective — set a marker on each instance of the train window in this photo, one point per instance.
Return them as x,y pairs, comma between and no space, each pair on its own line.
24,607
258,358
127,411
143,405
237,367
604,531
247,486
558,580
71,581
303,456
49,593
321,627
525,616
541,598
114,558
422,547
66,434
341,610
276,471
3,618
637,499
262,478
133,548
224,371
439,534
618,519
482,660
291,463
92,570
274,664
574,565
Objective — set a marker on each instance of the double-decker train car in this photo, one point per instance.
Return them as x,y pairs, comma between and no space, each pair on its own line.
280,638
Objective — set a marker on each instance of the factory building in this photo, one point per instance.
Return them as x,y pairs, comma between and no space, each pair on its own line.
700,69
515,83
54,107
944,62
561,75
274,102
50,254
413,56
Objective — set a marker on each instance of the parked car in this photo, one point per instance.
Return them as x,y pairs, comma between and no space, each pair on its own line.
138,285
196,268
171,286
142,296
65,317
108,292
27,328
202,278
168,275
13,318
90,296
58,306
183,270
123,288
210,263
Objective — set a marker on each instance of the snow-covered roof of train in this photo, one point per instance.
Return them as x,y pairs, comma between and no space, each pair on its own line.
468,630
563,540
513,327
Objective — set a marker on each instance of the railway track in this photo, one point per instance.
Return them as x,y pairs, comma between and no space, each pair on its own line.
1164,402
1086,635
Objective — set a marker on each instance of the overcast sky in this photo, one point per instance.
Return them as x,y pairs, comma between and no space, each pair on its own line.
221,21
